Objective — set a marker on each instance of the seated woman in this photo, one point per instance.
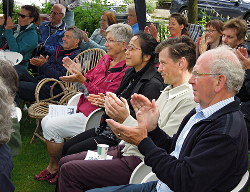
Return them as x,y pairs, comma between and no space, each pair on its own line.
105,77
212,37
177,27
144,79
98,37
23,37
6,164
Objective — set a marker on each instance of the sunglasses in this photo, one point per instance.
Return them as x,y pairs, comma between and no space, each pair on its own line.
22,16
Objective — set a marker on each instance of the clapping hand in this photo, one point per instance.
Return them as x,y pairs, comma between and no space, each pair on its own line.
75,69
97,100
147,115
39,61
116,108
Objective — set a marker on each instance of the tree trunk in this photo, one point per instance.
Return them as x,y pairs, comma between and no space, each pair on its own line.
192,11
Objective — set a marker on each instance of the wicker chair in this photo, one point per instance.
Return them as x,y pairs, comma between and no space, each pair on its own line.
88,59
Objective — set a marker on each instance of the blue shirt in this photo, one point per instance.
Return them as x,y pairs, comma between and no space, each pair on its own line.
135,28
198,116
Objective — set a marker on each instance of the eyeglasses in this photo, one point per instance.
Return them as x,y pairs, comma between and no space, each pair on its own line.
210,31
196,74
22,16
112,41
131,48
54,13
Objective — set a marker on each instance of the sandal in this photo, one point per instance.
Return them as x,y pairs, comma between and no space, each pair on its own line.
53,180
45,175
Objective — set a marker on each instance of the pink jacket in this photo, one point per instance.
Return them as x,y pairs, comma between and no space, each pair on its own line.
101,79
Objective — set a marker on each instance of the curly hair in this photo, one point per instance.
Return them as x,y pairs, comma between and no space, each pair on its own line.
5,114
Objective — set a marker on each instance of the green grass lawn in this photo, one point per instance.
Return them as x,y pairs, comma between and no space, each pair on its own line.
32,159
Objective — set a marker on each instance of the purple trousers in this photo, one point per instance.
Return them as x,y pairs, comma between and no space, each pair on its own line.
77,174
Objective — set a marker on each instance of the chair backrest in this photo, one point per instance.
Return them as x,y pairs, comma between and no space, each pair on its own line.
243,184
94,119
74,100
195,31
14,57
139,173
89,58
150,177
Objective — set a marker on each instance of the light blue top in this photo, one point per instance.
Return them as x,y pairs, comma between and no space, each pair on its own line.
198,116
95,41
135,28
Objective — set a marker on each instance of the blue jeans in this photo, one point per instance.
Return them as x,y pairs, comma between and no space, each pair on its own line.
144,187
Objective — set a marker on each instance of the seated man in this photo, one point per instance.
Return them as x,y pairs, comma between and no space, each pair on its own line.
48,68
209,151
52,31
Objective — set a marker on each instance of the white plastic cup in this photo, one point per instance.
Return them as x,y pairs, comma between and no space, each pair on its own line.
102,150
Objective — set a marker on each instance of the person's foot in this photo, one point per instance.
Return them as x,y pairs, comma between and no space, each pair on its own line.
53,180
45,175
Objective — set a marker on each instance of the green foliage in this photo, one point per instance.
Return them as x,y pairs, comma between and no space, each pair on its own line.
88,15
163,31
46,8
150,6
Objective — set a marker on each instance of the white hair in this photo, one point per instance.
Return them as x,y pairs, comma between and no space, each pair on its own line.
225,62
122,32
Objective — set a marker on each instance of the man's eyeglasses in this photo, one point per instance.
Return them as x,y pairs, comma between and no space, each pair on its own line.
132,48
196,74
54,13
112,41
22,16
210,31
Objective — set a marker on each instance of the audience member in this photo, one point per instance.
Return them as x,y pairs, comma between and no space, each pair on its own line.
234,32
212,37
51,67
174,102
52,31
6,164
23,37
105,77
209,151
69,18
10,78
177,27
132,19
142,78
98,37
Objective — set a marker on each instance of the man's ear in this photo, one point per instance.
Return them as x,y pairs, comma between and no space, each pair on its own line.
220,83
183,63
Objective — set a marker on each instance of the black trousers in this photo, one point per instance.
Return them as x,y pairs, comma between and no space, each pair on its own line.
85,141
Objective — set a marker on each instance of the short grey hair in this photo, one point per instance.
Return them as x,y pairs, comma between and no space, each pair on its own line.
131,7
225,62
121,32
5,114
77,33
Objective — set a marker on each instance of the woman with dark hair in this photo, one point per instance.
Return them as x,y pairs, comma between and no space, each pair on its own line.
212,37
23,37
141,78
177,27
98,37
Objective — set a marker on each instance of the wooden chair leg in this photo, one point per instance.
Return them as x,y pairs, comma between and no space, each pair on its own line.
37,132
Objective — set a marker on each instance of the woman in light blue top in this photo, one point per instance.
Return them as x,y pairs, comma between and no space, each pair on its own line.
98,39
